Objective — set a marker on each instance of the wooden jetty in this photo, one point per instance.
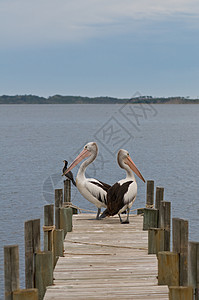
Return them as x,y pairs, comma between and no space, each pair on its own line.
84,258
106,260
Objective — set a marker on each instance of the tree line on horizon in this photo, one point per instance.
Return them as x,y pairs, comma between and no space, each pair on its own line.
58,99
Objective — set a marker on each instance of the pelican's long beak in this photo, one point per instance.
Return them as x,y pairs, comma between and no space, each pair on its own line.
85,153
133,167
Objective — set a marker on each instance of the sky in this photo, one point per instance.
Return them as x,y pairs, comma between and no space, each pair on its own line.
99,48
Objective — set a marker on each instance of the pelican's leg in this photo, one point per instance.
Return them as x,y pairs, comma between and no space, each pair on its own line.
98,213
104,214
127,218
120,219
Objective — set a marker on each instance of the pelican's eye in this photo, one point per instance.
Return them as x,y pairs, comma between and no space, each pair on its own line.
85,147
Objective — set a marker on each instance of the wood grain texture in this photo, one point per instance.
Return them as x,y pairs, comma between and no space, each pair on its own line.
104,259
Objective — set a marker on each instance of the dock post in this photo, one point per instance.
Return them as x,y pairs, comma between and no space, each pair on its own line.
67,190
58,205
66,214
180,292
58,240
156,240
43,271
159,196
180,245
168,268
150,218
165,222
48,227
150,194
11,270
30,294
32,244
193,267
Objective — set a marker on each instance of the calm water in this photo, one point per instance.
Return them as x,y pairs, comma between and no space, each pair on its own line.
34,139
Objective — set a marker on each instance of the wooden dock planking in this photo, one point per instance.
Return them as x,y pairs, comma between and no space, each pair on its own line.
106,260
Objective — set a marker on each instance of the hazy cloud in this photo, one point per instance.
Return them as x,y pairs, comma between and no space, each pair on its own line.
48,21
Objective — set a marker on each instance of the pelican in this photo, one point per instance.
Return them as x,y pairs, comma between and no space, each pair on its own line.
122,194
69,175
92,189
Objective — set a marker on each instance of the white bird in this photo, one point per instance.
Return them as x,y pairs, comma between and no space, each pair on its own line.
92,189
122,194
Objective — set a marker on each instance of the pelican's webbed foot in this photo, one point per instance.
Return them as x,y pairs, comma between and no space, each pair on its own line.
98,214
127,218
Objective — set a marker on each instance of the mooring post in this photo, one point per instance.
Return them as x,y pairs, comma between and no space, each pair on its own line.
165,222
155,240
67,190
11,270
43,271
28,294
168,268
180,292
150,218
150,194
193,267
66,214
159,196
180,245
58,240
58,205
48,227
32,244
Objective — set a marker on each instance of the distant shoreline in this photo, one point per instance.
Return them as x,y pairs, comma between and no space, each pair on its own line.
58,99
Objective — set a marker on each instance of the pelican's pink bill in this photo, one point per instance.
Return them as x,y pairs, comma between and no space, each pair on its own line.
85,153
133,167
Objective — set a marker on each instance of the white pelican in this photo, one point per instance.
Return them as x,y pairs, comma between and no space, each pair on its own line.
122,194
92,189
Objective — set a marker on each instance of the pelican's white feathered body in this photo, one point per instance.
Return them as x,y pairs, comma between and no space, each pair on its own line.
121,196
92,189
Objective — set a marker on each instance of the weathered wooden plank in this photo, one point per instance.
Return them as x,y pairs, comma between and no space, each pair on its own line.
67,190
180,245
58,204
30,294
32,244
11,270
150,194
168,268
106,260
181,292
159,196
165,222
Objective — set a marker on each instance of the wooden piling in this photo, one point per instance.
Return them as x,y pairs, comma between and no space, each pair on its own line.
180,245
155,240
43,271
66,219
67,190
150,219
30,294
11,270
32,244
58,204
159,196
180,293
58,240
150,194
165,222
193,269
168,268
48,227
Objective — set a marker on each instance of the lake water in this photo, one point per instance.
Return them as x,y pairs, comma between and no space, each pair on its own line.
163,141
